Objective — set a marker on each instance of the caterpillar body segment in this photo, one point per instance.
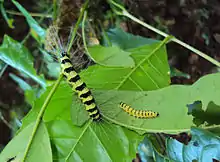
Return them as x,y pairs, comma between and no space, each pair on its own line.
79,86
138,113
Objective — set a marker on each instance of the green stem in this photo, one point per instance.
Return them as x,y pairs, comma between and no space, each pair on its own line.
84,37
40,116
8,20
31,13
124,12
205,56
3,69
83,34
54,10
73,32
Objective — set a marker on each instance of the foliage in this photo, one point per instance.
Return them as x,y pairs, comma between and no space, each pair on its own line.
204,146
131,69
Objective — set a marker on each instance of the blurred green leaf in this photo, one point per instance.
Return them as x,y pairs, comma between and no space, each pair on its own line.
150,71
53,67
126,41
22,84
111,56
176,73
37,32
40,149
16,55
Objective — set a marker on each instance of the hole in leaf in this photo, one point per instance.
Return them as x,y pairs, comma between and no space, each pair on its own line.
208,117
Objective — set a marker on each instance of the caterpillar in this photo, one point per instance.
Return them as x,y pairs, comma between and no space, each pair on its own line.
138,113
79,86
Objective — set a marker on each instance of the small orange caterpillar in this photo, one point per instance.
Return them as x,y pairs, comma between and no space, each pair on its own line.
138,113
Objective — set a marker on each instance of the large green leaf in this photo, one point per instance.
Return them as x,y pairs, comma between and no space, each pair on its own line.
40,149
171,103
125,40
92,142
151,71
37,32
111,56
16,55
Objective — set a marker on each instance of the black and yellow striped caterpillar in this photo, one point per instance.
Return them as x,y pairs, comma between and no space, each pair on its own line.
79,86
138,113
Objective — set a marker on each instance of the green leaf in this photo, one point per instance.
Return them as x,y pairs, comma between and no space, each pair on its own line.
53,67
18,56
36,30
150,71
111,56
92,142
40,149
166,101
57,109
22,84
126,41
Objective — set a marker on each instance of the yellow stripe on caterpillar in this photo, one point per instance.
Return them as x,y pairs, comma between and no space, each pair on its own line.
80,87
138,113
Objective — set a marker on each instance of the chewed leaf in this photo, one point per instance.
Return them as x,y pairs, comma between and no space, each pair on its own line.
203,146
210,116
111,56
171,103
151,71
16,55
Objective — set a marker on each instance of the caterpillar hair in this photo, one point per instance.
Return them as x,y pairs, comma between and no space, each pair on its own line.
138,113
74,79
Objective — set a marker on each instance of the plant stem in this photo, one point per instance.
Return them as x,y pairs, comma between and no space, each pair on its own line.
40,116
31,13
83,35
73,32
205,56
3,69
122,11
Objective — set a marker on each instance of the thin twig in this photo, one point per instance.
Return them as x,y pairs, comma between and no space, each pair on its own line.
122,11
74,31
